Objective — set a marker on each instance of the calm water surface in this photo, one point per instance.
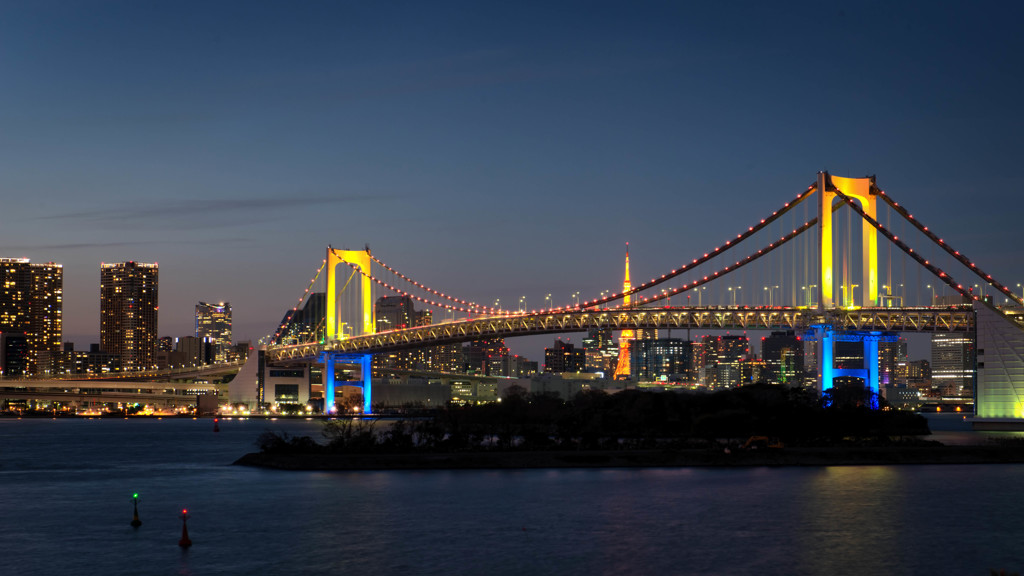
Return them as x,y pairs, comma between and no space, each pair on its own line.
66,485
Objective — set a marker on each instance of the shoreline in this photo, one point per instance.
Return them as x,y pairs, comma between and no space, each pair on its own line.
512,460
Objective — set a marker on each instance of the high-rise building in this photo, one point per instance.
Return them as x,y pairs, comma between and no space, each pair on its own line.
891,356
398,312
601,350
721,358
953,364
668,359
564,357
783,356
306,325
32,304
489,357
213,323
128,313
918,375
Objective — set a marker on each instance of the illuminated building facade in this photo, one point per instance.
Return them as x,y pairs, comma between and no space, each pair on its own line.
32,304
953,364
128,313
213,324
70,361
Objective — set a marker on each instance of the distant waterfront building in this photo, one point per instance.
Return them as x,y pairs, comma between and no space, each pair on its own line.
70,361
953,364
32,304
128,313
213,323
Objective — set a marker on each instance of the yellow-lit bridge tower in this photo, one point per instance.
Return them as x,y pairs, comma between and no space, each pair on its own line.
863,191
360,259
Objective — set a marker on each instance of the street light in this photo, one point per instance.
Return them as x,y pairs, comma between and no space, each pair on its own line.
522,304
576,298
548,300
733,292
930,287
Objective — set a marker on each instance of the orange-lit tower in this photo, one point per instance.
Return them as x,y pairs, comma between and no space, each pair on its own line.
622,369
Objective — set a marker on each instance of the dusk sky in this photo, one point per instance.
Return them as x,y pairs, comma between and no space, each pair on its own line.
493,150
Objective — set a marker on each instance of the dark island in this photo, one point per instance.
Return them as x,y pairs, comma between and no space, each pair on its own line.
757,425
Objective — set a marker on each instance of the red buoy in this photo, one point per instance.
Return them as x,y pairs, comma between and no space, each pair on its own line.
184,542
216,426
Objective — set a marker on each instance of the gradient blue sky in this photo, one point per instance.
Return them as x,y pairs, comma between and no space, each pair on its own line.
491,149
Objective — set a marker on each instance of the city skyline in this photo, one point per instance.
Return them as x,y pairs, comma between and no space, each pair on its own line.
232,143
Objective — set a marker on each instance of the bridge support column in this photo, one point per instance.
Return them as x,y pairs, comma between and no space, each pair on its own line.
825,336
871,365
329,384
365,363
827,371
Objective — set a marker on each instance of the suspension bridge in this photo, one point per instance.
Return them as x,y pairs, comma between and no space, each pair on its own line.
817,278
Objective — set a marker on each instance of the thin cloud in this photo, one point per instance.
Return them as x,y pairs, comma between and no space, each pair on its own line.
83,245
196,208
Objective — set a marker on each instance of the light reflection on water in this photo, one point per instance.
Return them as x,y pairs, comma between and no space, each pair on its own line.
65,490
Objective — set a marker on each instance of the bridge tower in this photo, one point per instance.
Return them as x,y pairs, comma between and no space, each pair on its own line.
623,368
361,260
332,326
863,191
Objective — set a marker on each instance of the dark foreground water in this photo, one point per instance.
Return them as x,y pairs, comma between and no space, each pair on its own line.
66,485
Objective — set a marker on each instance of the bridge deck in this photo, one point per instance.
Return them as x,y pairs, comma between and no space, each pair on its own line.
923,319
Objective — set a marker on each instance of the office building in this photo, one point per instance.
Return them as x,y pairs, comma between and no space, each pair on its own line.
128,313
891,356
662,359
783,356
953,364
213,324
721,358
601,350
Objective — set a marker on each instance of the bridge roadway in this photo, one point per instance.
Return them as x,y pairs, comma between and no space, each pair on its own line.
918,319
102,391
